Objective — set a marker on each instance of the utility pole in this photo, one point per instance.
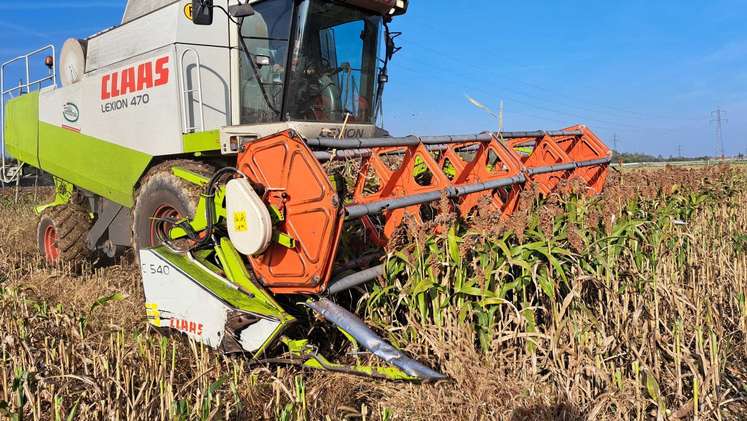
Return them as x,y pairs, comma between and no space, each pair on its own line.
719,118
614,143
679,151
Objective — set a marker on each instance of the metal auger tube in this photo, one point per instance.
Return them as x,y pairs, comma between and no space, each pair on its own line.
567,167
372,342
383,142
356,279
358,211
325,156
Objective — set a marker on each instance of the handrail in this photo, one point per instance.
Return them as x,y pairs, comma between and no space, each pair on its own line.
195,92
8,173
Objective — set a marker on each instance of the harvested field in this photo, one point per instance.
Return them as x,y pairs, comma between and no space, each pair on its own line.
626,306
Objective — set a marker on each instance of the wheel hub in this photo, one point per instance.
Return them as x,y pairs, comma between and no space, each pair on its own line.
51,249
159,228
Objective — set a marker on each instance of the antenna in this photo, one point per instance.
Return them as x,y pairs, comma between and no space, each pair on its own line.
500,119
485,108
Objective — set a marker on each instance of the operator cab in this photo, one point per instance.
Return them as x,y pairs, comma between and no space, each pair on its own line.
310,65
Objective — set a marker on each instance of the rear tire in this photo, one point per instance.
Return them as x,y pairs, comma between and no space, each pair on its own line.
61,235
164,195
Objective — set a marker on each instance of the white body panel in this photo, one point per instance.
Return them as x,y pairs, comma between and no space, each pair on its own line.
215,72
133,39
174,301
147,120
249,222
154,119
150,117
138,8
232,137
53,104
148,124
255,336
164,26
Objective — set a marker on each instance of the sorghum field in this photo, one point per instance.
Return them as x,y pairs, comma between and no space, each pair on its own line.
626,306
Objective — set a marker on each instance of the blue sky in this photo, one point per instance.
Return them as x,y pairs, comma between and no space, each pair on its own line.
649,71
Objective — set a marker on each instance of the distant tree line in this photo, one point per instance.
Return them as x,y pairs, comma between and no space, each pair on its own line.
630,157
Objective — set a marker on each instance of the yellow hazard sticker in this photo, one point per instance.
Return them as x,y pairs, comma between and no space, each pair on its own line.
188,11
239,222
154,315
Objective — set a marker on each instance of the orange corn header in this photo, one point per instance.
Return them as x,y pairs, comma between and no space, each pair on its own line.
400,177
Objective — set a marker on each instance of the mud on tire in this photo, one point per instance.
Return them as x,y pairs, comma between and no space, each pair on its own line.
61,235
163,194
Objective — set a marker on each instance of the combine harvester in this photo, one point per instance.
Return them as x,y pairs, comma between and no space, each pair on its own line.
205,136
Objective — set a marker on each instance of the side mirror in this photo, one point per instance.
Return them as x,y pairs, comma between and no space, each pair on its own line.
202,12
241,11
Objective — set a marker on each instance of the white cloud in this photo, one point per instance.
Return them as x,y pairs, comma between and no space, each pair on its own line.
730,52
22,29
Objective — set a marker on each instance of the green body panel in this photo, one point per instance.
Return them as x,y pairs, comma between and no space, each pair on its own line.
92,164
525,149
199,222
201,142
187,175
308,357
255,300
22,128
235,267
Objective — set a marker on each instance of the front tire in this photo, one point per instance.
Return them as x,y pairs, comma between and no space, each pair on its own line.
164,195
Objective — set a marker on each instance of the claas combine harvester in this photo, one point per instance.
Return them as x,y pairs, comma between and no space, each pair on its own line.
205,136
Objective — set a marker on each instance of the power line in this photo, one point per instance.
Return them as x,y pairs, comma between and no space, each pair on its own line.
468,80
718,118
596,106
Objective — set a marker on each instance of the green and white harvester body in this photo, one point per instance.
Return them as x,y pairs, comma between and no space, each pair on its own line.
216,138
141,125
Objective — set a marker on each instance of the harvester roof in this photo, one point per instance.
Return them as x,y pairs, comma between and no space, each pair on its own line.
385,7
138,8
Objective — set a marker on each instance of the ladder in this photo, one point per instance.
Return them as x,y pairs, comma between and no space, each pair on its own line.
10,172
192,94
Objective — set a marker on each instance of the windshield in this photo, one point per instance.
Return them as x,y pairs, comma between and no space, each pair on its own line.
334,64
265,35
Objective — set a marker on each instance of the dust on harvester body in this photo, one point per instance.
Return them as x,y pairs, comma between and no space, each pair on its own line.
204,134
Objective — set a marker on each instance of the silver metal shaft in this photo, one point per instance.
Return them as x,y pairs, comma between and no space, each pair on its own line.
373,208
381,142
372,342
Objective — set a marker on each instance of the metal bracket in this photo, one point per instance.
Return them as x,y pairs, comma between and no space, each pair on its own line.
110,212
190,176
284,240
63,194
